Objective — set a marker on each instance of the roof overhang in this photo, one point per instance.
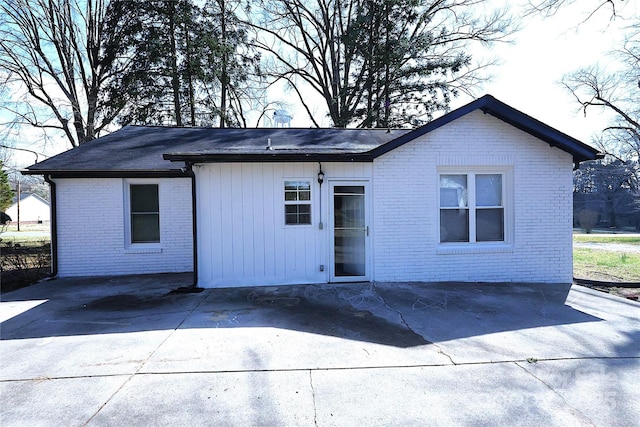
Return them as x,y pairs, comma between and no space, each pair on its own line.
542,131
140,152
267,157
172,173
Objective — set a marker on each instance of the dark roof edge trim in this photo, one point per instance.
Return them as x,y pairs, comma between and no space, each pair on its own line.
422,130
108,174
534,127
268,157
490,105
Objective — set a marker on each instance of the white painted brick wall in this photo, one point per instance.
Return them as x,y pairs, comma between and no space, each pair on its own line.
91,228
406,216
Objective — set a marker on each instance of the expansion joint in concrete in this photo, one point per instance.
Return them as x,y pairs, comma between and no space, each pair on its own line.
144,362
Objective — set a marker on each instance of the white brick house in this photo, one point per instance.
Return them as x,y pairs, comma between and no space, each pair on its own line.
480,194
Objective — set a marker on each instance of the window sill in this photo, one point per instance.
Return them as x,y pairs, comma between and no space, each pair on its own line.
473,248
143,250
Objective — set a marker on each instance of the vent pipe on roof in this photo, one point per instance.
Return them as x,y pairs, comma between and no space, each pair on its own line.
268,143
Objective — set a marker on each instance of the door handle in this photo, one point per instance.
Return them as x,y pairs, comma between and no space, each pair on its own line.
367,230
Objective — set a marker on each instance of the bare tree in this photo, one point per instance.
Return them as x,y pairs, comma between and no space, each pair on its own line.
611,185
551,7
616,91
54,51
376,63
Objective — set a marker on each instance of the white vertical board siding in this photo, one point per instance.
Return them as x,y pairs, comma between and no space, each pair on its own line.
91,228
242,237
406,213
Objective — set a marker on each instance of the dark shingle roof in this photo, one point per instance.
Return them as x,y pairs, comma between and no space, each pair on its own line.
149,150
138,149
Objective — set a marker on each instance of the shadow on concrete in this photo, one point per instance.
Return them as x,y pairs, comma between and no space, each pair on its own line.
396,314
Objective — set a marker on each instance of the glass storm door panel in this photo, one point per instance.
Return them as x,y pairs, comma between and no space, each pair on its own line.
349,231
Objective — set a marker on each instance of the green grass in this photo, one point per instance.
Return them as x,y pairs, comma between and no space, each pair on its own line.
24,240
23,237
606,265
604,238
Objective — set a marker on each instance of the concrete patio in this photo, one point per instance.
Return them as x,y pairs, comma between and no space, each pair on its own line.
128,351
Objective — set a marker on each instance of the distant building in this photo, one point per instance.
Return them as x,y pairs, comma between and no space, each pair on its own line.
33,209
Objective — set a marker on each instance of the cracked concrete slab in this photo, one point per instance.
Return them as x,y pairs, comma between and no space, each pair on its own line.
78,355
55,401
598,387
221,399
240,349
113,351
496,394
474,323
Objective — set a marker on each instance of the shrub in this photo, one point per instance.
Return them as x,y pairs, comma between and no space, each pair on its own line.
588,219
23,264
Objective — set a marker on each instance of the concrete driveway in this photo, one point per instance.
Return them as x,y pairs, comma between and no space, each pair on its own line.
126,351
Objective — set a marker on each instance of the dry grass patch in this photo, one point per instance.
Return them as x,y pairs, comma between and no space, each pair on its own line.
608,266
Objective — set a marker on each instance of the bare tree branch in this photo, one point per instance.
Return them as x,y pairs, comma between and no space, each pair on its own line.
377,63
53,49
551,7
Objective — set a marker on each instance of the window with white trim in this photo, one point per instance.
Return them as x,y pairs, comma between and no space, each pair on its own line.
297,202
144,211
472,207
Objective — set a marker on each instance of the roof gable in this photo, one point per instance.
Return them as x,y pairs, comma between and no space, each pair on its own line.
498,109
26,195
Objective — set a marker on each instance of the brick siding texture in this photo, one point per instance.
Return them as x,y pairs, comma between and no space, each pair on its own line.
406,214
91,229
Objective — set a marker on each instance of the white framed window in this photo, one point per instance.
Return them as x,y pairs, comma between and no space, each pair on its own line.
474,206
142,213
297,202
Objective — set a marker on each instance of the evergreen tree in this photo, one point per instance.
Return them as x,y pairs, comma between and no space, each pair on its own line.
376,62
189,63
152,42
396,69
6,192
231,63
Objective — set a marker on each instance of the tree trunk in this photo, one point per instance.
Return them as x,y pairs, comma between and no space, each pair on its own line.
192,95
175,80
224,77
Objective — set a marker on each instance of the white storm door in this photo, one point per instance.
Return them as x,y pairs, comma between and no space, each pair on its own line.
349,231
